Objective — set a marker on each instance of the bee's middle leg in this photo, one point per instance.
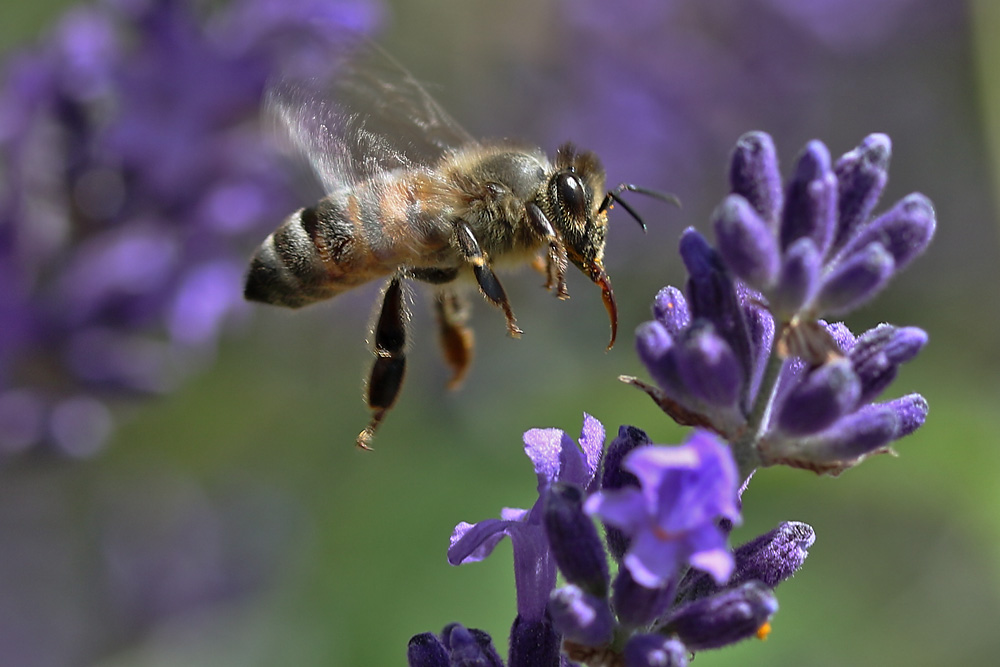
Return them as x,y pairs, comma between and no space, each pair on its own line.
488,281
389,367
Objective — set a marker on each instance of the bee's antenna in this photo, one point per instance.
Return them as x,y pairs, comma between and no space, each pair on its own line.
613,197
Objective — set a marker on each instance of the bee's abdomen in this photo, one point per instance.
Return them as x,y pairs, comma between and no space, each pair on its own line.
312,256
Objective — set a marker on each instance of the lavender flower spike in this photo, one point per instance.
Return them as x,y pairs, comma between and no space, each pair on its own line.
742,352
672,518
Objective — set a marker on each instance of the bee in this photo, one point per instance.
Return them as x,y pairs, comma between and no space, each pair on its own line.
410,195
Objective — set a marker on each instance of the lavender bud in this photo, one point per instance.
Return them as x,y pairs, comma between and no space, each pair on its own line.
426,650
637,606
753,174
712,294
823,396
905,230
707,366
841,335
533,643
861,176
798,279
613,476
724,618
670,308
769,558
581,617
868,430
655,651
655,347
745,242
811,200
912,413
856,279
774,556
878,352
574,541
470,648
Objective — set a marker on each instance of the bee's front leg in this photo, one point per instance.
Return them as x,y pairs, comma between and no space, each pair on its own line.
390,358
488,281
557,260
456,338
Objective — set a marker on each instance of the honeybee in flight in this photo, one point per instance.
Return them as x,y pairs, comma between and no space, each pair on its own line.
411,195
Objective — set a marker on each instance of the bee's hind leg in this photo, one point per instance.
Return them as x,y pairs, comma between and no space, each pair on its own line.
452,314
457,340
389,368
488,281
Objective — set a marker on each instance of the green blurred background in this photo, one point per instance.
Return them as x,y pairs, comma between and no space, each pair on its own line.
906,566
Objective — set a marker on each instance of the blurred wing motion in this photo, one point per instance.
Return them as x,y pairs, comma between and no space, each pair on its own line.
370,116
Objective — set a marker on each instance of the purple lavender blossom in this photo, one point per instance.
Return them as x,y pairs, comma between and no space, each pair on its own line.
671,519
743,351
675,506
134,177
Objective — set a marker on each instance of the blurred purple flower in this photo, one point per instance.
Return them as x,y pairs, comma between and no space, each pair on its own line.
686,75
89,571
135,178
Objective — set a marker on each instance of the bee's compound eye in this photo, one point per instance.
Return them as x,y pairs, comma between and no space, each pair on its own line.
571,193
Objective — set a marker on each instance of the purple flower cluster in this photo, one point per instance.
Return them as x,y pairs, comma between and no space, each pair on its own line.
743,351
134,175
667,511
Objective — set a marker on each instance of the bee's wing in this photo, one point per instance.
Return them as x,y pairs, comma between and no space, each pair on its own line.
370,116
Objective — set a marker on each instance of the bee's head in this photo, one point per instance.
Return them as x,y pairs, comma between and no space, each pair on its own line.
577,204
576,208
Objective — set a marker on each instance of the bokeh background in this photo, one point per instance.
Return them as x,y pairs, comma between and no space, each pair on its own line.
225,517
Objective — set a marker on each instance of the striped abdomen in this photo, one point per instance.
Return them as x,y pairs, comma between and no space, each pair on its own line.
348,239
